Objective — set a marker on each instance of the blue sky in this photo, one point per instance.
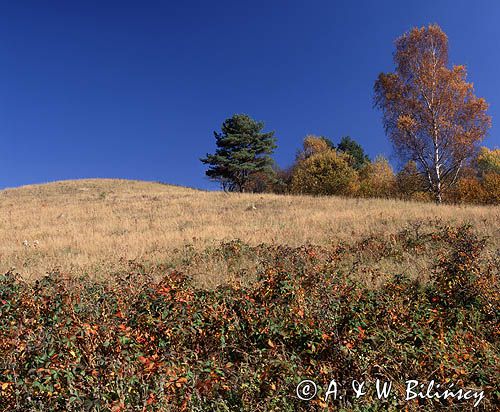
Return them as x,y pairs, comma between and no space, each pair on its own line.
135,89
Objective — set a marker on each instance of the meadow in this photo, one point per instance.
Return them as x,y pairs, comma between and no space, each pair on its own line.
134,296
97,227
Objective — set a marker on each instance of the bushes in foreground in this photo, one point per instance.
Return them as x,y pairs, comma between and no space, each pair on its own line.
138,344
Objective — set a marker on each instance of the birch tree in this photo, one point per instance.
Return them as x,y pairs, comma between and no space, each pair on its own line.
430,112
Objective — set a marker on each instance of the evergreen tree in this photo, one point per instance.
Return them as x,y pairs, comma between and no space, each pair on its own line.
242,150
354,149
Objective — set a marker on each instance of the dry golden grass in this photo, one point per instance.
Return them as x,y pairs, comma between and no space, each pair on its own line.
96,225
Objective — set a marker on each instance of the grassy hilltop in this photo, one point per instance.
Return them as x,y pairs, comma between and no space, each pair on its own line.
96,226
163,298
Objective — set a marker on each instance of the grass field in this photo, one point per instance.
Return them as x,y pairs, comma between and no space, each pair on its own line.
162,298
97,226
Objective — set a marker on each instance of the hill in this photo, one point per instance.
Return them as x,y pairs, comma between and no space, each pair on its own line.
97,226
389,291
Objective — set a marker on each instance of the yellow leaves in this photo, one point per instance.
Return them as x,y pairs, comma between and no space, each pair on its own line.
313,145
377,179
437,102
325,173
5,385
271,344
489,160
491,185
406,123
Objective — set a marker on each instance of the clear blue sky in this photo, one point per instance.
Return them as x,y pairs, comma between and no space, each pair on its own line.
135,89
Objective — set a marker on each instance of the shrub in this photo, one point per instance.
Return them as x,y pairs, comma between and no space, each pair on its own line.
137,344
467,190
488,161
456,275
471,189
409,181
377,179
261,182
491,187
326,173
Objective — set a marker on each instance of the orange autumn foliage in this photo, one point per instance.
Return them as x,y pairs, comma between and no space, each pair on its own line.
429,110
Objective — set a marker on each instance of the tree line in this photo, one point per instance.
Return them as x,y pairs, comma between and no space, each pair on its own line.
429,112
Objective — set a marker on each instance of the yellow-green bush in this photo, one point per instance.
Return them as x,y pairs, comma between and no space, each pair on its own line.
488,161
325,173
377,179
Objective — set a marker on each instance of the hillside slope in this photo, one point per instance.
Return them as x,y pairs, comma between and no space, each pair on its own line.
97,225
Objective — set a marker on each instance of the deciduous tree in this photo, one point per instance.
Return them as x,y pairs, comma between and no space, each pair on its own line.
429,110
313,145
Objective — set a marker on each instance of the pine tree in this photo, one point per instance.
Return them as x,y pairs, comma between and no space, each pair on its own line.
242,150
354,149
